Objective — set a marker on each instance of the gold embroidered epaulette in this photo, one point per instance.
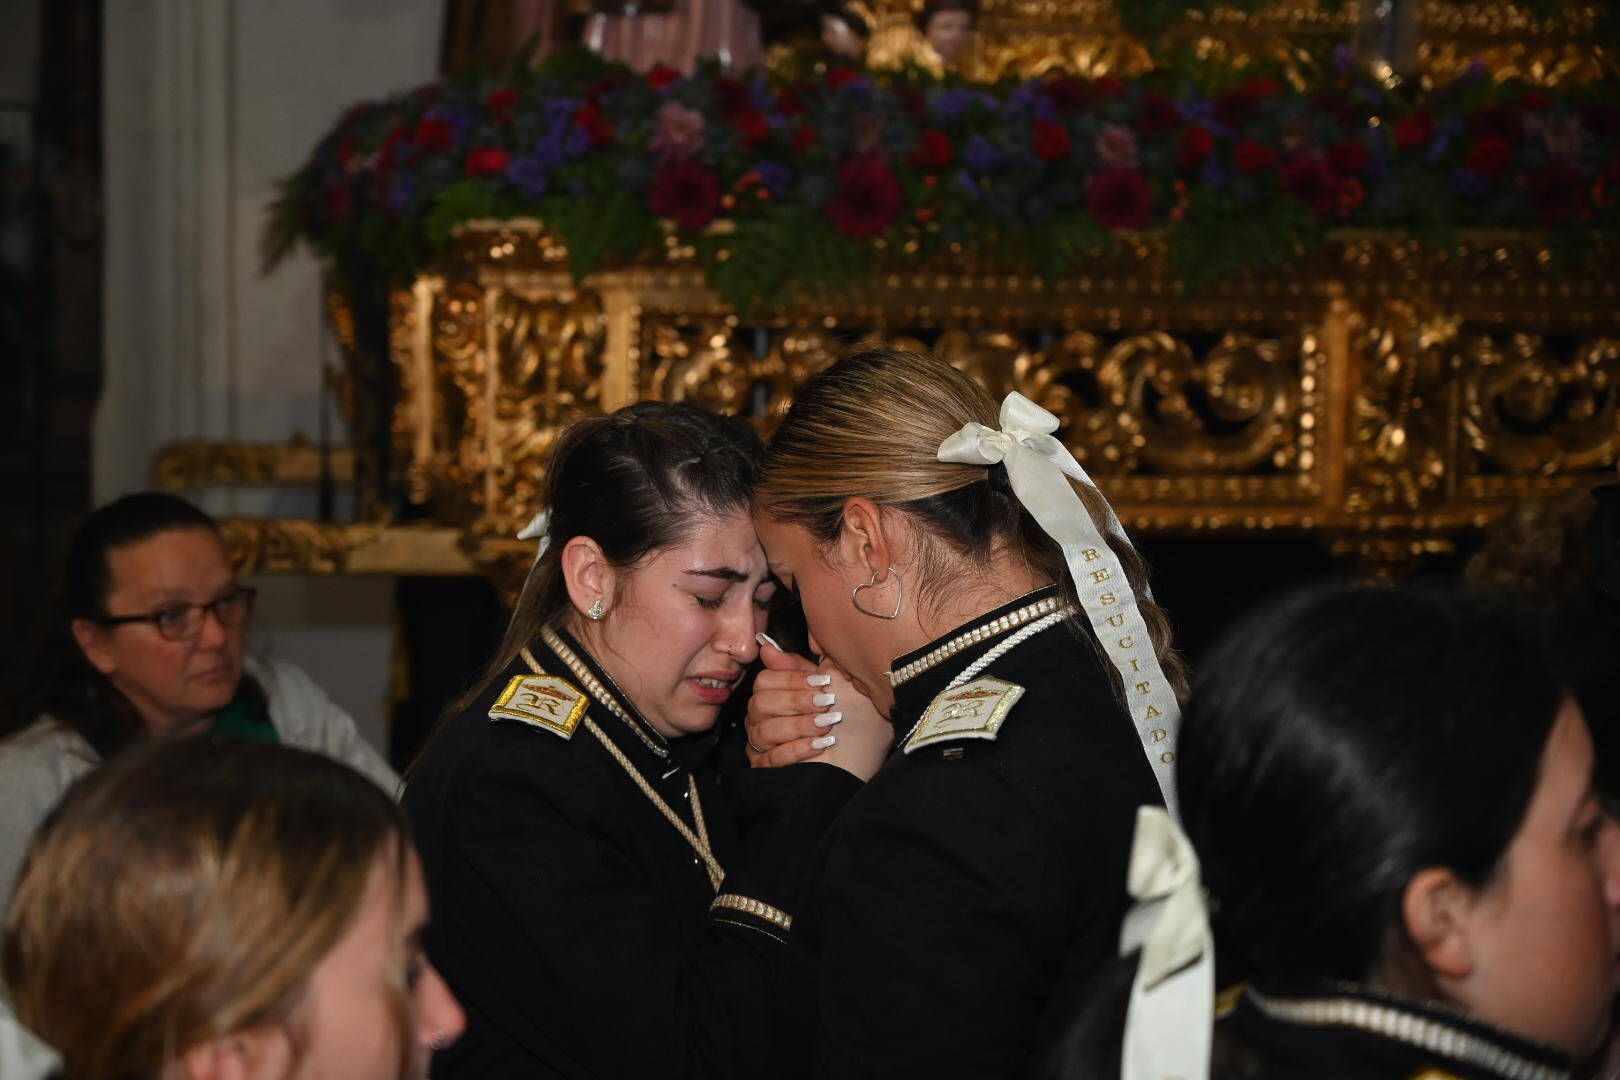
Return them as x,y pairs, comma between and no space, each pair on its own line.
974,710
545,701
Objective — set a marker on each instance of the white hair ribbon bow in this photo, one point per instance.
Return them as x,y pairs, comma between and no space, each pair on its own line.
1039,467
537,527
1169,1022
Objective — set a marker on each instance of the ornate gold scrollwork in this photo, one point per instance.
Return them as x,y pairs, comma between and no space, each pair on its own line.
1147,402
794,356
546,368
186,465
1529,413
699,360
280,545
1401,410
990,356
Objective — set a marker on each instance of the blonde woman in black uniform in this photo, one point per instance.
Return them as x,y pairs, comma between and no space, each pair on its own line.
952,559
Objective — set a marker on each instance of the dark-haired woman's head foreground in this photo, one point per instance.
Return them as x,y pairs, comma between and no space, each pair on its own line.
198,910
650,559
1388,787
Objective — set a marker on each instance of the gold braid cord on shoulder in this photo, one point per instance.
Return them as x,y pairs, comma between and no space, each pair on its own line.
698,840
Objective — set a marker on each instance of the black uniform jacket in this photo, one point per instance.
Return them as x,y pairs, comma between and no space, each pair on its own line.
1340,1032
972,887
570,917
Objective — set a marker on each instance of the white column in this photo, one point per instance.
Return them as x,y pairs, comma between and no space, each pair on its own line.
207,103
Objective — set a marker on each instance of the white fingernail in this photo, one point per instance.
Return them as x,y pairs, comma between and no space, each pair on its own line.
818,680
766,639
821,701
828,719
823,742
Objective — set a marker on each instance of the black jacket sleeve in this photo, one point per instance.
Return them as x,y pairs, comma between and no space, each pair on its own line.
558,930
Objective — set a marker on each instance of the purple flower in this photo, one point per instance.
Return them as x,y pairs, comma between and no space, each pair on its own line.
759,94
529,175
1343,59
774,175
967,183
459,117
1469,184
1443,136
948,104
1029,99
982,156
401,190
1213,174
575,141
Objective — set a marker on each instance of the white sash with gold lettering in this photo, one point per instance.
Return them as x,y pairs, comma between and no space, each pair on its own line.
1039,467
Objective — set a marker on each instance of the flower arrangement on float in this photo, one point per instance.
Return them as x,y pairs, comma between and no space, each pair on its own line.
786,186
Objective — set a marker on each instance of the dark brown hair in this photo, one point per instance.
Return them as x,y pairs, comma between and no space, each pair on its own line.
636,481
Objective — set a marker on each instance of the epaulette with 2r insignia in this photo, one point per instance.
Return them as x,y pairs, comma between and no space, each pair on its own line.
544,701
973,710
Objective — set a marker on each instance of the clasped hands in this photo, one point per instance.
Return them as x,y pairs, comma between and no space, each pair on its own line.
801,711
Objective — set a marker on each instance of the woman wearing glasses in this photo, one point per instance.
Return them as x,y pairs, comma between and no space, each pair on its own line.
151,644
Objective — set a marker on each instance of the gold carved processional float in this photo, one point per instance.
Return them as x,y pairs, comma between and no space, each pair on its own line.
1384,397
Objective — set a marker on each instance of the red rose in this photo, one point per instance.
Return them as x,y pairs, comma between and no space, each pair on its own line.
1157,114
1557,194
685,192
790,102
1120,199
1253,157
1308,178
1601,120
390,151
1234,105
1351,195
868,198
486,161
501,103
1261,89
1068,94
1107,88
752,126
840,76
731,97
1604,188
1052,141
338,201
1335,105
1413,132
1535,101
590,119
1497,120
1349,157
660,76
1490,155
1196,145
805,138
434,134
912,99
933,151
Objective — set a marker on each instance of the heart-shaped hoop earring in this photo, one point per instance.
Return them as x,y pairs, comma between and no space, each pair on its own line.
855,595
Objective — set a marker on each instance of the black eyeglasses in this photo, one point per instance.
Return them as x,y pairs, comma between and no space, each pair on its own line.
183,622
